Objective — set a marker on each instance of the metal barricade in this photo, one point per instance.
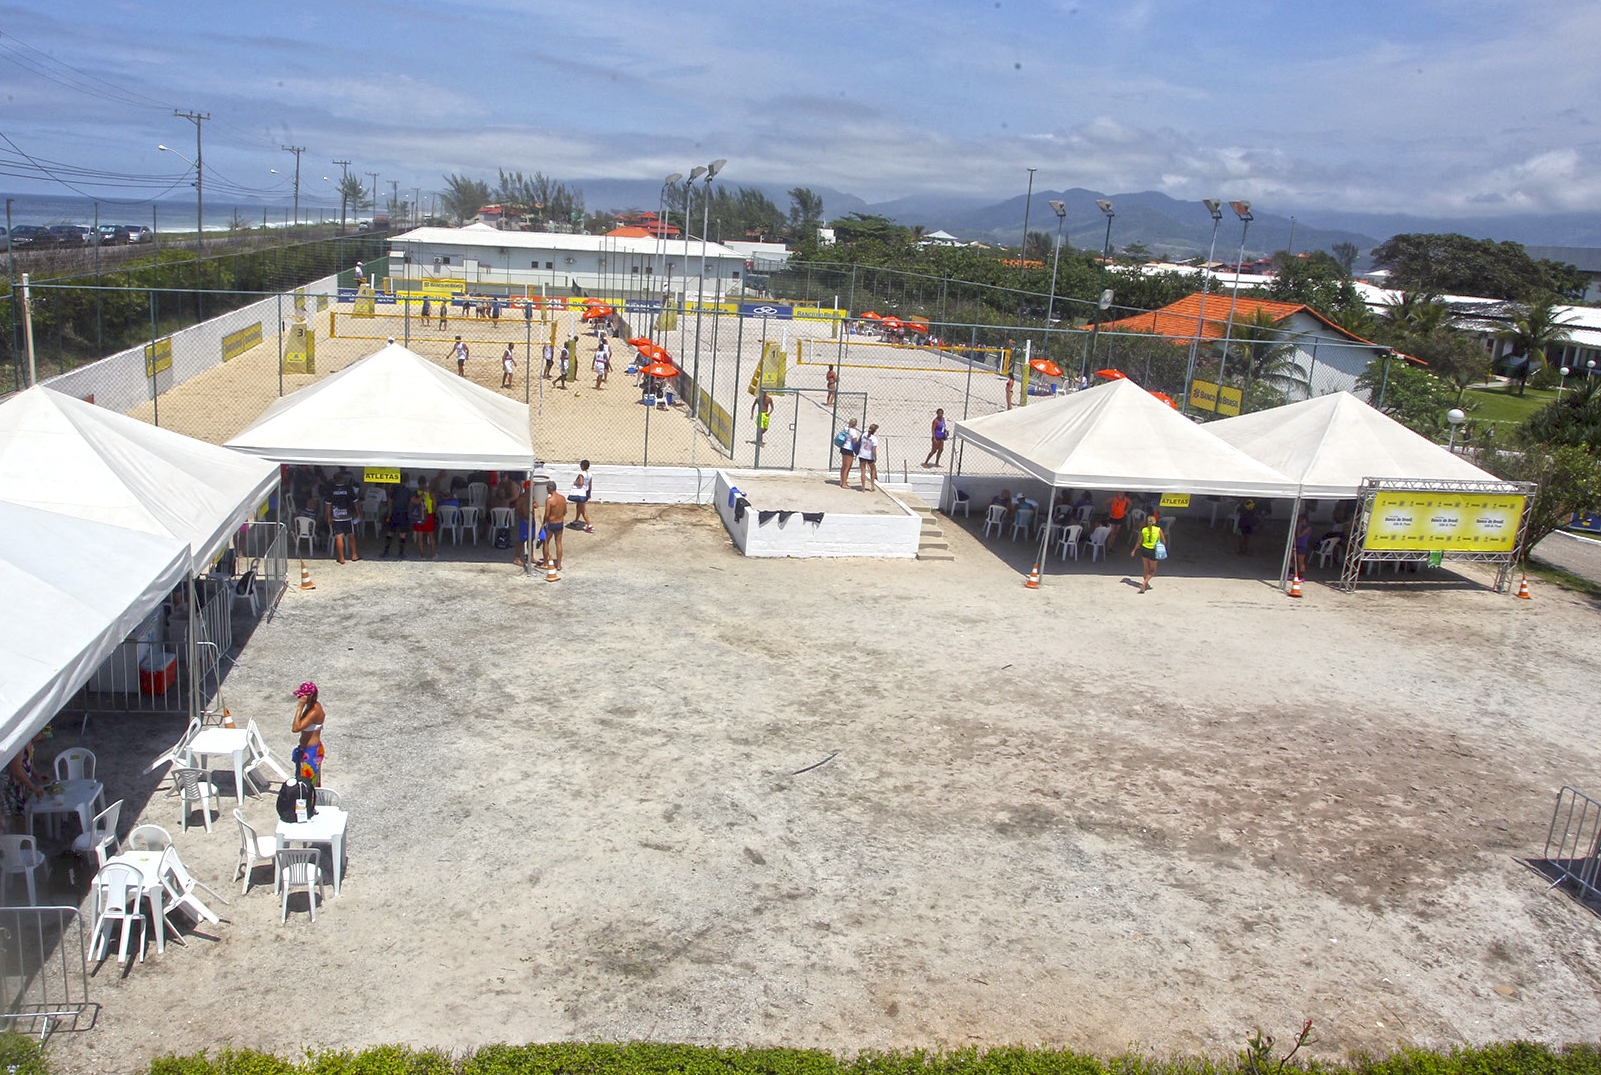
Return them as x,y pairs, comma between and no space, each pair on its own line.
1573,842
44,970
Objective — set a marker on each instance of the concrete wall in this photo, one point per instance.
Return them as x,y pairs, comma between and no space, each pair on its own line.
118,381
879,536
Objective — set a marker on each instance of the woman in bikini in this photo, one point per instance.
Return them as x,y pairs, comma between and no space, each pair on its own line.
309,717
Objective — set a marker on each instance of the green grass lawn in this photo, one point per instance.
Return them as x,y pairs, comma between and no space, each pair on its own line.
1499,406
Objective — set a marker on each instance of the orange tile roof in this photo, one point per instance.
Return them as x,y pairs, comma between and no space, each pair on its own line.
1179,320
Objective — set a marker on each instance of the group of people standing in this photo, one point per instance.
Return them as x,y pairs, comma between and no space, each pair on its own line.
858,448
551,515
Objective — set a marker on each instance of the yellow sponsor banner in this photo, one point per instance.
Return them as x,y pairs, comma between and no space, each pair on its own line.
771,371
300,350
300,300
1444,522
158,356
365,302
237,343
1175,500
1203,396
381,476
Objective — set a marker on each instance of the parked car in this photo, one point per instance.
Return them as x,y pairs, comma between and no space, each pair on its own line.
137,233
5,240
69,234
111,235
31,236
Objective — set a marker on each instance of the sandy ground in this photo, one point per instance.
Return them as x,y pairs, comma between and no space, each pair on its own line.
813,492
683,795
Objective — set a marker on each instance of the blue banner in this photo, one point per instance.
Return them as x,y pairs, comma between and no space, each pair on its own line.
643,306
781,311
347,294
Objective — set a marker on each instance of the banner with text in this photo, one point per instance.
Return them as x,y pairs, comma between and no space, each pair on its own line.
1444,522
1203,396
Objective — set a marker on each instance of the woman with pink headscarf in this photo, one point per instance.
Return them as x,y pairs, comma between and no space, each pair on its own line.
307,757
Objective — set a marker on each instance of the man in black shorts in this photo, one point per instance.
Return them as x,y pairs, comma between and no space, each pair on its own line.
340,505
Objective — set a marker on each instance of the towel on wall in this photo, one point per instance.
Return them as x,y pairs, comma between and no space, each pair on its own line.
740,504
764,517
813,517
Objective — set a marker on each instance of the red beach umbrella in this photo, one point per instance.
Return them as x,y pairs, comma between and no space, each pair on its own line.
661,369
1045,366
640,341
1112,375
1165,398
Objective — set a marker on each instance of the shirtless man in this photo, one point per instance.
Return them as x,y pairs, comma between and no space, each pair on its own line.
555,523
524,511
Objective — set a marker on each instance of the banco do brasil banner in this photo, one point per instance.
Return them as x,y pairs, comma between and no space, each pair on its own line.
1445,522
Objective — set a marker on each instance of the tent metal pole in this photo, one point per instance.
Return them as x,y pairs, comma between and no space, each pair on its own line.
1045,529
1289,544
193,645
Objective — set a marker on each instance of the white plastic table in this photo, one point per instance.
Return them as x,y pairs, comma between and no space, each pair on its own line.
327,826
76,797
148,863
217,741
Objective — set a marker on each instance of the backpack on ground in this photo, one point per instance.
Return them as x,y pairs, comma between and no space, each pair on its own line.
292,792
502,537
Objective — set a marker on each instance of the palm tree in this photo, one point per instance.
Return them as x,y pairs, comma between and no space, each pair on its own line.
1537,328
1267,358
1416,313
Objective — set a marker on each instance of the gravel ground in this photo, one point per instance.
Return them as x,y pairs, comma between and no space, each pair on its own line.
683,795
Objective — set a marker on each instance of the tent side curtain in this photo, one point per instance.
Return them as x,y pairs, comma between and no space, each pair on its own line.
74,590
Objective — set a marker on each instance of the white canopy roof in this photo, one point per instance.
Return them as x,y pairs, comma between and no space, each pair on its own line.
393,409
1119,436
1328,444
63,455
73,588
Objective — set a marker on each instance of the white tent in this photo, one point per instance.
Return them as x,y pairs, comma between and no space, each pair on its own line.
1328,444
63,455
393,409
74,588
1119,436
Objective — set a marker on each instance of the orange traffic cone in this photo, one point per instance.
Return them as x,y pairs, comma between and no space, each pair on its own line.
550,572
1523,589
305,578
1295,586
1033,582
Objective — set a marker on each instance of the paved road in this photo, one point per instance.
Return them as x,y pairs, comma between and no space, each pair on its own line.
1577,555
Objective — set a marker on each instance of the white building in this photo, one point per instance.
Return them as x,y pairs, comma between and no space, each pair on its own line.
517,262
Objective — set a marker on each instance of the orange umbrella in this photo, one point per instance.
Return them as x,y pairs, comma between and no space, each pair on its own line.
597,313
871,316
593,301
1112,375
1165,398
1045,366
661,369
640,341
656,351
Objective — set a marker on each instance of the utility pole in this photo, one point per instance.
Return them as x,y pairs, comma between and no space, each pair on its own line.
394,196
416,197
344,177
197,118
374,177
297,151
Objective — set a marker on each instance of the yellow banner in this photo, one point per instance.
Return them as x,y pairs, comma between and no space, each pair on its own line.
1175,500
1203,396
381,476
300,350
771,372
158,356
1444,522
300,300
364,302
237,343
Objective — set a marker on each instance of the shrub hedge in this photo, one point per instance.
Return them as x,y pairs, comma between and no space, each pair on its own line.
1505,1058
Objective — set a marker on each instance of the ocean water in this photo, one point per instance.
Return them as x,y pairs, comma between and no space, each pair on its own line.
172,214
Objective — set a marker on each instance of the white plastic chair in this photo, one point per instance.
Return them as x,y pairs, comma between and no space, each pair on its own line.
962,503
75,763
1083,515
1070,539
299,866
371,508
118,891
450,521
478,495
180,887
1098,542
245,590
21,854
252,849
1325,550
503,517
329,797
259,754
306,530
471,518
1022,522
194,786
996,517
149,838
102,835
178,753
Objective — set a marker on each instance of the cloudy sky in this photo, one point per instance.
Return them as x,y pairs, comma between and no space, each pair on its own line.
1425,106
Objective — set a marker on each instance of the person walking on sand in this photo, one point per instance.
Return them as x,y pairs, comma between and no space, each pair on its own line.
867,458
940,432
831,379
508,366
459,353
427,311
602,363
579,495
1011,387
566,360
1152,547
555,523
549,354
847,441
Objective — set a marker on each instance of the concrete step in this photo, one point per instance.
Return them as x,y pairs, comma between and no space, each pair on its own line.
935,554
927,543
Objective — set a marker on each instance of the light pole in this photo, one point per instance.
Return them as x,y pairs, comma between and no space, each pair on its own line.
1106,296
1564,382
1022,258
710,172
1214,207
374,177
1243,211
1060,209
196,167
1456,418
297,151
661,235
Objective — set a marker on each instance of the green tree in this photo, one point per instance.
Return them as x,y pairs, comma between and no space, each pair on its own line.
805,210
870,228
1572,421
1414,314
1408,393
462,197
353,195
1536,329
1457,265
1346,255
1314,279
1569,480
1260,355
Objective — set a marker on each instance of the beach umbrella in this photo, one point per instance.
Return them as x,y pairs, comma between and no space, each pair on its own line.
1045,366
661,369
640,341
597,313
593,301
1165,398
871,316
1112,375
